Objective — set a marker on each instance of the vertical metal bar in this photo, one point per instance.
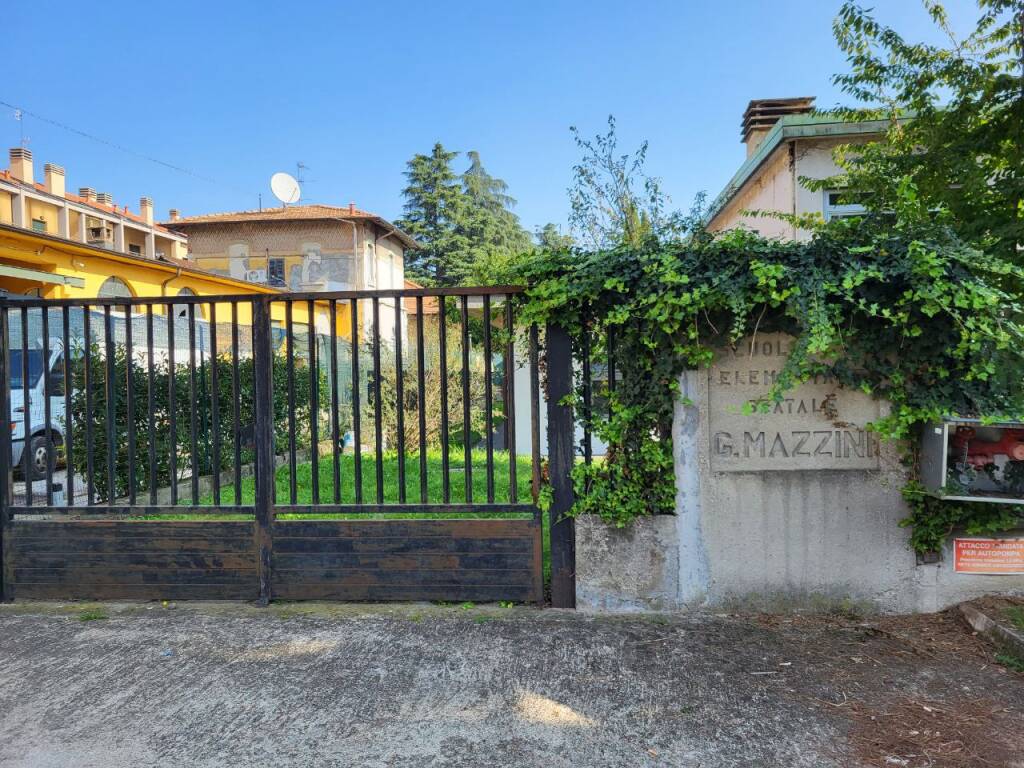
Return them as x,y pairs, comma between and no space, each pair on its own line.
509,365
378,436
26,410
236,406
47,389
611,358
263,435
467,449
129,367
488,400
442,340
560,462
193,422
111,403
335,412
69,452
357,436
534,414
6,468
172,407
420,396
214,404
588,398
87,384
314,404
151,404
290,372
400,397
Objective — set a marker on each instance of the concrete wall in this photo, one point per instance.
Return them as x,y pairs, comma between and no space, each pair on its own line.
770,189
772,532
776,187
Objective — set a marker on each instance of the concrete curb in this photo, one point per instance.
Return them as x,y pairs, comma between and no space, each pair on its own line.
1005,638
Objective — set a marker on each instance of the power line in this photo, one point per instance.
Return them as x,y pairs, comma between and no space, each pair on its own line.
22,111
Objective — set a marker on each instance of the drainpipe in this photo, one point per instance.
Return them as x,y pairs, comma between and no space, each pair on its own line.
792,166
165,283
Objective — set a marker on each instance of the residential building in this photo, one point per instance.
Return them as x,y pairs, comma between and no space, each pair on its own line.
787,142
90,217
55,245
299,247
304,248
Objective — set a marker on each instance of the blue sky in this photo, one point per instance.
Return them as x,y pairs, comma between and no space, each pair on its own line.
237,90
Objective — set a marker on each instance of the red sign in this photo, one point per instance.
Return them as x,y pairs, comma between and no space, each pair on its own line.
991,556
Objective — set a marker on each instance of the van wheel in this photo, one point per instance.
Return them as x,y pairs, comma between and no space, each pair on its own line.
40,456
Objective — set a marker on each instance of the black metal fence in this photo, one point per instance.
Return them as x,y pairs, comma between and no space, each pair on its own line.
274,408
156,404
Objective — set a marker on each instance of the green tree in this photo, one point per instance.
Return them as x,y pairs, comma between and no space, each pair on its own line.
496,237
434,206
550,236
955,115
613,201
466,222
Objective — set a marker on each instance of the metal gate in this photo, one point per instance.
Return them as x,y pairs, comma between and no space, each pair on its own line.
352,446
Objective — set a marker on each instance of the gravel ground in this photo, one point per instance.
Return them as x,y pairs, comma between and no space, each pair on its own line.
425,685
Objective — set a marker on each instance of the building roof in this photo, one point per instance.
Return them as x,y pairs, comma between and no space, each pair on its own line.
292,213
788,128
6,175
164,265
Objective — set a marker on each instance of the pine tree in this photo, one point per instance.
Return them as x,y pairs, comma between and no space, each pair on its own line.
434,203
550,236
466,223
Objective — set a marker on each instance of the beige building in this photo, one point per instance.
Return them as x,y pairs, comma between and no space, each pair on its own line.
300,247
785,142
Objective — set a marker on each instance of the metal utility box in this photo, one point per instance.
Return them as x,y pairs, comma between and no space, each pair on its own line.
967,460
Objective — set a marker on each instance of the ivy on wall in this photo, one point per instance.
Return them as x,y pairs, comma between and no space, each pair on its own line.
905,313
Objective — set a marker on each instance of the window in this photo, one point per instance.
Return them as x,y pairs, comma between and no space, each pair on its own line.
114,288
134,250
275,272
841,204
181,310
371,259
38,225
35,367
57,377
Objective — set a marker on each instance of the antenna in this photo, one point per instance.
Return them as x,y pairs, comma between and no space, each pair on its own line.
285,188
19,115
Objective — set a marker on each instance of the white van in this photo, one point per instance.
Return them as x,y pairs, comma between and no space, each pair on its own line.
44,439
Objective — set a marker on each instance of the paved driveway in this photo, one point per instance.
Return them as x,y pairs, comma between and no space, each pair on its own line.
307,685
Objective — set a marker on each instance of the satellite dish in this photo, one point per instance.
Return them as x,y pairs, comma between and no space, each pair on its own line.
285,188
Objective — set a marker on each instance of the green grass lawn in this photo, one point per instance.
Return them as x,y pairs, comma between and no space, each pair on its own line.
456,473
389,465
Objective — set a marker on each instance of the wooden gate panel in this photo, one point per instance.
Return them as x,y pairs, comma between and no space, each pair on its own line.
122,560
477,560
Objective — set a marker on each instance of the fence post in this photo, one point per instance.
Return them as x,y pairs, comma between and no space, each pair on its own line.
263,439
561,439
6,470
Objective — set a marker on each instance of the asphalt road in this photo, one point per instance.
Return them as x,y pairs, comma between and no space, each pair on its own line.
310,685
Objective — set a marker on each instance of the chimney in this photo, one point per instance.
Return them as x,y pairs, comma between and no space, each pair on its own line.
175,214
87,193
146,209
351,209
21,165
53,176
761,116
104,198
